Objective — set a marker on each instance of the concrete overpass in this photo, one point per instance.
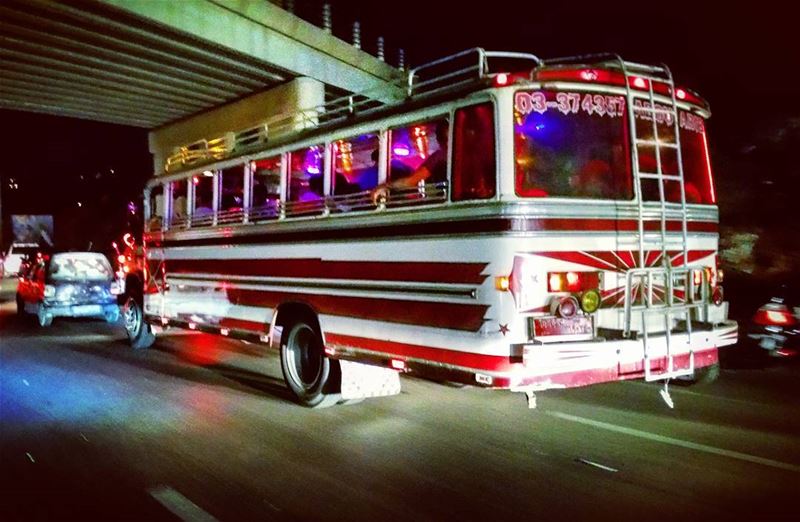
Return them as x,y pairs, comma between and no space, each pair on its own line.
149,63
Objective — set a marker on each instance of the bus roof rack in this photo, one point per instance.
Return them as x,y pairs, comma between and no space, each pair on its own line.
607,60
445,74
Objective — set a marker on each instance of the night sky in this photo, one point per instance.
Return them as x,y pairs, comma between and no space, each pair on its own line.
743,57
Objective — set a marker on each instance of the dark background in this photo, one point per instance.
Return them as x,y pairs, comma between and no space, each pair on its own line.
743,57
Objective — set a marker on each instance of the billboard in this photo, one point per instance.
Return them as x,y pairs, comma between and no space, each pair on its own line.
32,228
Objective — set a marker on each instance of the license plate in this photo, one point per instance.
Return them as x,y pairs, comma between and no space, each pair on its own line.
545,326
87,309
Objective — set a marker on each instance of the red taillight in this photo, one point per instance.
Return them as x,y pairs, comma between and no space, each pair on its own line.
572,281
638,83
567,307
774,315
680,94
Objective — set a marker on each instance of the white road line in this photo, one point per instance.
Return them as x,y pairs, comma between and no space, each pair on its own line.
179,505
676,442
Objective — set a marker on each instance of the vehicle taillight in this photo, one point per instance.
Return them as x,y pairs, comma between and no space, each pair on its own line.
774,314
639,83
566,307
572,281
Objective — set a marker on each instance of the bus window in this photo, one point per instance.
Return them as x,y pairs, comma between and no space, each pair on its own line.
156,208
306,168
355,163
571,145
698,185
203,211
266,191
231,205
694,153
179,203
474,153
417,147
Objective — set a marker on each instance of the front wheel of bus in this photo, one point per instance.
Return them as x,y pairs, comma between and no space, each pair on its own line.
308,373
140,335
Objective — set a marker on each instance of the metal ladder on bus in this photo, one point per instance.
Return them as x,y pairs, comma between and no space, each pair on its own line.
644,280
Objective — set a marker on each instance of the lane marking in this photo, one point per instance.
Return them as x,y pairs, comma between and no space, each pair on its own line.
677,442
596,465
179,505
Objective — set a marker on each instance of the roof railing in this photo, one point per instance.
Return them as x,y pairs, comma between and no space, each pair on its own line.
437,77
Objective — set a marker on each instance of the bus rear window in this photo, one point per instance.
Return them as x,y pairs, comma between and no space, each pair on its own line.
698,185
570,144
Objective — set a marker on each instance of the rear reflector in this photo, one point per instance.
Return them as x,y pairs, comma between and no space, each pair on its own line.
398,364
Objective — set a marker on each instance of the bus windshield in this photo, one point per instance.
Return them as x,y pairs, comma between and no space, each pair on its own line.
570,144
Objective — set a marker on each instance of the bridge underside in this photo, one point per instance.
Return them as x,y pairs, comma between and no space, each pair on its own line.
148,63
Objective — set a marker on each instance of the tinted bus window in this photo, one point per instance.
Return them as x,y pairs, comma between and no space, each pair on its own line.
474,153
306,168
355,164
203,211
698,185
571,145
418,146
696,168
231,203
156,204
266,193
179,202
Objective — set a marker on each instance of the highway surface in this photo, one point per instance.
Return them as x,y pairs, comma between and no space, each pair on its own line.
201,428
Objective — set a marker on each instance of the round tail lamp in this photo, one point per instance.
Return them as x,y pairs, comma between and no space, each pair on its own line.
590,301
567,307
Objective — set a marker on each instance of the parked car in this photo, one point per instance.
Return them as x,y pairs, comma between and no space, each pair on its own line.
68,284
11,263
775,326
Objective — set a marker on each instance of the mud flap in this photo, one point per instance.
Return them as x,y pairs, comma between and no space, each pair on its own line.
360,381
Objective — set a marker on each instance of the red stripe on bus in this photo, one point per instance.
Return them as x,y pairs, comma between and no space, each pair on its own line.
453,316
477,361
438,228
241,324
425,272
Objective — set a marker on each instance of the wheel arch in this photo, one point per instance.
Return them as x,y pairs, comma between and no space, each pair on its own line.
290,311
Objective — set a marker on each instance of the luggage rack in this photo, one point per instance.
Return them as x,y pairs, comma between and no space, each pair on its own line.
437,77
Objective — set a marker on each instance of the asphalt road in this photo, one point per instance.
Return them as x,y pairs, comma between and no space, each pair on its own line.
202,428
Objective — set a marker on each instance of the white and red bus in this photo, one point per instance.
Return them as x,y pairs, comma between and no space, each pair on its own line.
570,237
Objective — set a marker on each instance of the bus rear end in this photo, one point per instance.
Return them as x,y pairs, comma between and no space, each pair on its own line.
614,271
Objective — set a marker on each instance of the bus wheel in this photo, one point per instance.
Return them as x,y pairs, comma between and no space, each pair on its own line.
308,373
140,335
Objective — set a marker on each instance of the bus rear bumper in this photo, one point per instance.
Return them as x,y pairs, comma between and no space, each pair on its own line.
574,364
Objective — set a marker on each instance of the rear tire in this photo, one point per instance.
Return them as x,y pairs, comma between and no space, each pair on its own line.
140,334
313,378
